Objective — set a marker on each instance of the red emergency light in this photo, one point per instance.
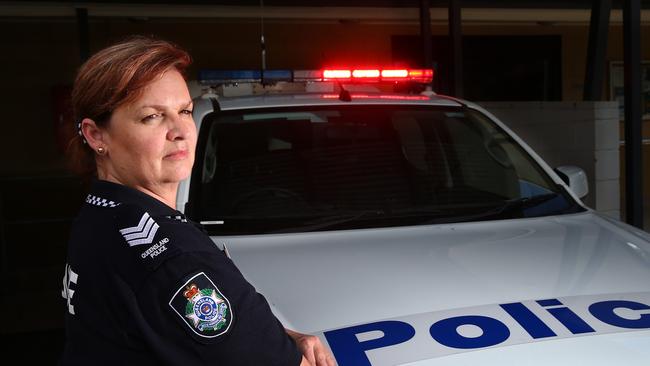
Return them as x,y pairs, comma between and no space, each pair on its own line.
394,74
365,74
375,75
336,74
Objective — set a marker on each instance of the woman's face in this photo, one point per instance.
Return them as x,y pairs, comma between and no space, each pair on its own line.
150,142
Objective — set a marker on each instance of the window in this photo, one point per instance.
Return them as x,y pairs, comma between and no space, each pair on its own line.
362,166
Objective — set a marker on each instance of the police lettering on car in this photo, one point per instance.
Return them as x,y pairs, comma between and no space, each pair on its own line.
442,333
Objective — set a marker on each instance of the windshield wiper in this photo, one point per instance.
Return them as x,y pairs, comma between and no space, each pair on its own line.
525,202
417,215
506,207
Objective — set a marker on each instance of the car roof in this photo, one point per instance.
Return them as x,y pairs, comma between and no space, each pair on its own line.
324,99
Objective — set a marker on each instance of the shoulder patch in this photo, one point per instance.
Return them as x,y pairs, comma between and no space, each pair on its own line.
202,307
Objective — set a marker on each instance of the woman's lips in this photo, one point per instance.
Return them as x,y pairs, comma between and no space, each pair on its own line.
177,155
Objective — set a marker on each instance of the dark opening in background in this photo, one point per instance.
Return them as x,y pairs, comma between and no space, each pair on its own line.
495,68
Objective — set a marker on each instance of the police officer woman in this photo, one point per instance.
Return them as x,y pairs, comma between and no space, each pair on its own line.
143,284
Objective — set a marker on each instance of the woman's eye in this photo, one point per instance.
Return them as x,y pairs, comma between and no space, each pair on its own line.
150,117
186,111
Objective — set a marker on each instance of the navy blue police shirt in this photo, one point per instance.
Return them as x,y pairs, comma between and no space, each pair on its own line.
143,285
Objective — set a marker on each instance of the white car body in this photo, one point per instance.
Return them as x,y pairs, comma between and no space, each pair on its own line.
374,295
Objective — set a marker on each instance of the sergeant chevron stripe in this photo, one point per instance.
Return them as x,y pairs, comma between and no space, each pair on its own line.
143,233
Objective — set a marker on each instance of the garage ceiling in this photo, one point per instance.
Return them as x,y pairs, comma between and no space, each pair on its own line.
546,4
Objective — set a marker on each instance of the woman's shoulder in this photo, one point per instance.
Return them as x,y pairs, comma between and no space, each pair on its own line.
154,237
168,247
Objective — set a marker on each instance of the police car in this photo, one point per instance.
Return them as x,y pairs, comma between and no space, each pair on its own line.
408,228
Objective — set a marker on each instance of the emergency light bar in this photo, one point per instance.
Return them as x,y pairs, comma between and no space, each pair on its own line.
380,96
212,77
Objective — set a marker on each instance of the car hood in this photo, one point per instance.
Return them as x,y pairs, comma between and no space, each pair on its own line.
370,287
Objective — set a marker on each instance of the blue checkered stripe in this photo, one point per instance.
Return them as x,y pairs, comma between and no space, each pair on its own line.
101,202
180,218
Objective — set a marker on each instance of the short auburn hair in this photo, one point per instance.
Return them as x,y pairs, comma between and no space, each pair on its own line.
112,77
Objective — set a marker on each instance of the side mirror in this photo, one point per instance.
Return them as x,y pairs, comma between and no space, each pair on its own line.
575,178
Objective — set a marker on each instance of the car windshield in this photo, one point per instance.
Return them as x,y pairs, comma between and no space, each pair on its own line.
354,166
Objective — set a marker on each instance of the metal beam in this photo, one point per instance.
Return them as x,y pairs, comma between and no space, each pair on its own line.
425,33
632,76
485,13
82,29
596,50
456,48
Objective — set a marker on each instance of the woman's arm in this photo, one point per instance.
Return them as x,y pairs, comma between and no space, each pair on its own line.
313,351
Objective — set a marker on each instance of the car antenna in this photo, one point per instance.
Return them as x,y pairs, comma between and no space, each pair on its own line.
344,95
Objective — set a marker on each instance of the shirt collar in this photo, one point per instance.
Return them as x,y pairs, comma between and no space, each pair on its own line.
109,194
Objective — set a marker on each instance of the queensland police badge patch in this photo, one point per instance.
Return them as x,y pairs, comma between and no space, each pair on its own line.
202,307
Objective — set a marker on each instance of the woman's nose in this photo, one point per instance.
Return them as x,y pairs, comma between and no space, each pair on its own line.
179,129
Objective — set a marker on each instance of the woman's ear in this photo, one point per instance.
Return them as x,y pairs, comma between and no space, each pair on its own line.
94,135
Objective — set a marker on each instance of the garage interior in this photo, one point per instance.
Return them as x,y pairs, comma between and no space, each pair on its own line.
563,62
